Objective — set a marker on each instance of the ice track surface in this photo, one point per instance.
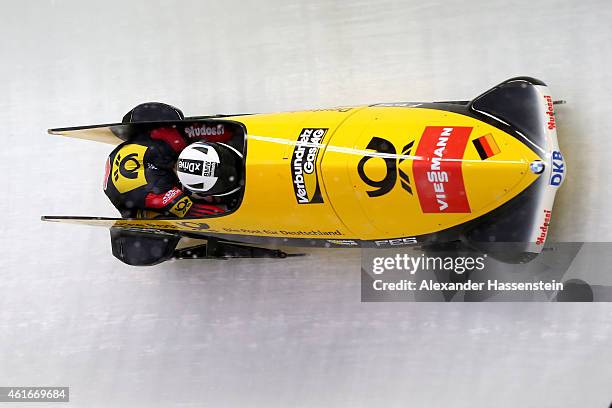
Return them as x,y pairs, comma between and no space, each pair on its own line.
275,333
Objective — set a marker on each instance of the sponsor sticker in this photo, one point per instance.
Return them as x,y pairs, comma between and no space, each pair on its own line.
396,242
346,242
392,164
550,112
558,169
437,169
339,109
170,195
181,207
208,132
544,228
304,166
190,166
209,169
127,169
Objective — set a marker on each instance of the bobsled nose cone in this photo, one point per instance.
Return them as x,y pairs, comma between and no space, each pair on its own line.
491,180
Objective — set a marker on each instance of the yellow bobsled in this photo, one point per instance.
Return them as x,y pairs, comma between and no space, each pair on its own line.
382,175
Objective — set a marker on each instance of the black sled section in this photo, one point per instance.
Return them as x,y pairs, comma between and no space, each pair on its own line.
139,248
153,112
515,105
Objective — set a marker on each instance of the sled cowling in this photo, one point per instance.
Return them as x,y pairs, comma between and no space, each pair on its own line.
141,248
517,231
518,103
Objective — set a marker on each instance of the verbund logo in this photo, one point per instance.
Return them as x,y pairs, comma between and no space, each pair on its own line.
437,171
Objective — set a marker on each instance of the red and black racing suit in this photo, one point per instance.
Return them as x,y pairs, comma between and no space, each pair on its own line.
140,180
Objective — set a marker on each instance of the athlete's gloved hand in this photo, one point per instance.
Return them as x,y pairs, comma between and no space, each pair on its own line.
176,202
204,210
173,201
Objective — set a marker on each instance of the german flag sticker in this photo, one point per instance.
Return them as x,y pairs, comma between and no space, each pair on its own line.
486,146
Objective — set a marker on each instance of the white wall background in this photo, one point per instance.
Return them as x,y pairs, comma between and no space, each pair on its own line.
274,333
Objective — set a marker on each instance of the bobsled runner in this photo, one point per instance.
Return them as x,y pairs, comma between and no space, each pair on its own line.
479,172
